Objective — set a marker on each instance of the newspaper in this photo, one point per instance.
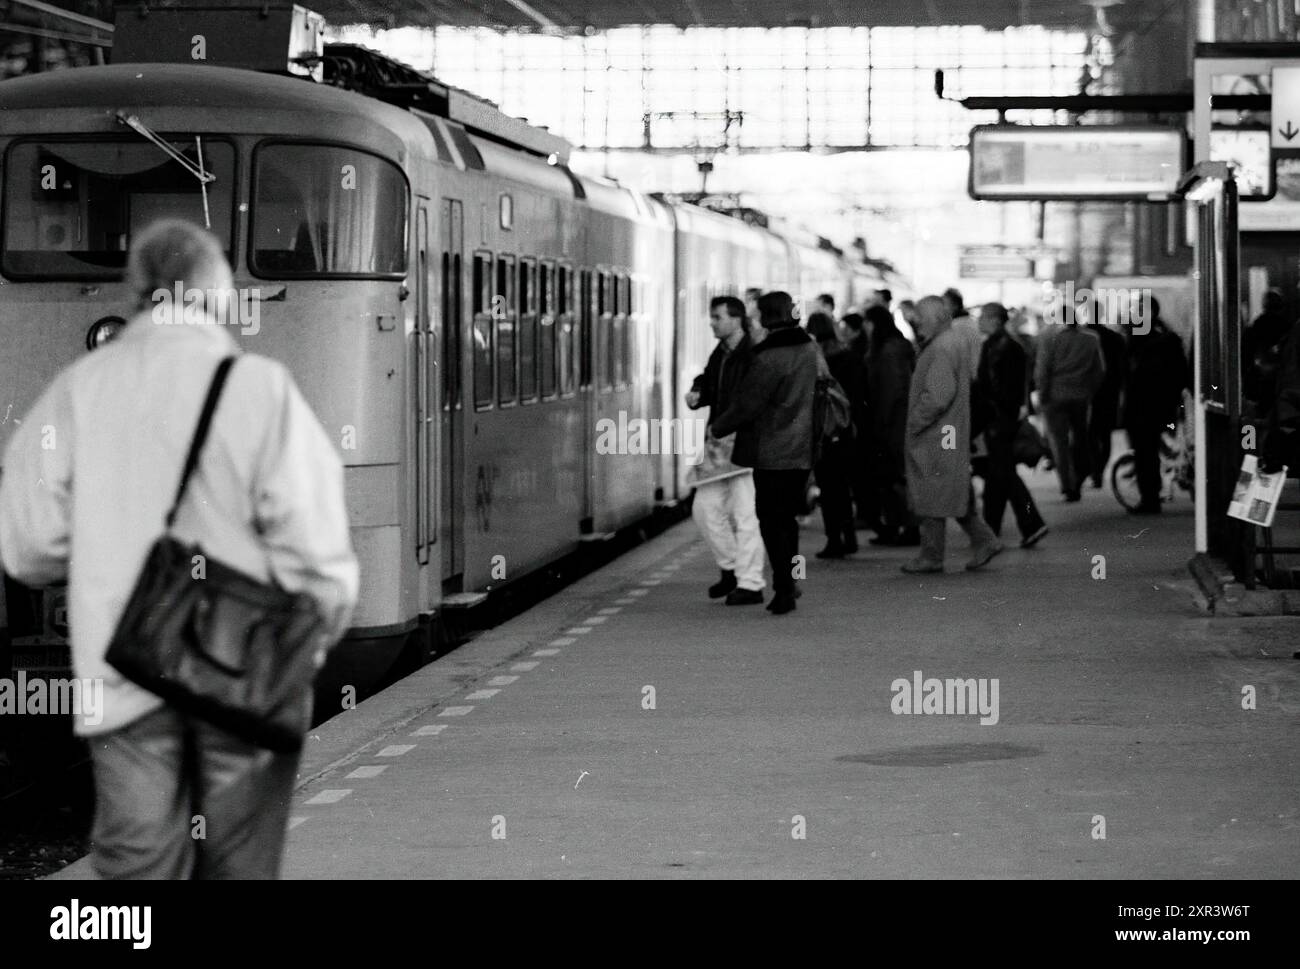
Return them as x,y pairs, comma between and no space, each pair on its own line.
716,462
1256,495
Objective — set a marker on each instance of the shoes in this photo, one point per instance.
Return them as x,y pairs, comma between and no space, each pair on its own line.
723,585
781,603
1146,508
907,538
744,597
921,567
885,538
1031,540
850,541
1096,481
833,550
984,556
798,592
1071,496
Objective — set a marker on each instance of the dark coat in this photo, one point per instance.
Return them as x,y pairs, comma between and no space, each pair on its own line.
1003,379
1282,445
1158,373
1070,366
772,412
849,371
938,477
722,375
889,376
1105,403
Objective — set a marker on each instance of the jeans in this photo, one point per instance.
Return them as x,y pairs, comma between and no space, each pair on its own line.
724,512
1067,426
934,534
1002,483
780,498
177,798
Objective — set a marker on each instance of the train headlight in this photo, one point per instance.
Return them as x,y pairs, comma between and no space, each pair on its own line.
103,330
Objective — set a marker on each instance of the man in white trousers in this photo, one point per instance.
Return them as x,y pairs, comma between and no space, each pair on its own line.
724,494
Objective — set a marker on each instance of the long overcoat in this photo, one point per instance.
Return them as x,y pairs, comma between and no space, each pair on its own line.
938,429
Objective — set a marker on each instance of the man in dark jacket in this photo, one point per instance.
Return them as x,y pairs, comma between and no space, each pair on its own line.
723,506
1003,381
836,466
1104,416
1158,374
1261,345
1282,442
772,417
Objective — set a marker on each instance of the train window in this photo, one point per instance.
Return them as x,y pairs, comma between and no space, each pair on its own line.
625,358
326,210
546,345
71,208
527,330
564,329
503,311
586,304
604,326
617,372
483,329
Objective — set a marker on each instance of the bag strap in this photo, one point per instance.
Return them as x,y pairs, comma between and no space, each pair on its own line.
200,433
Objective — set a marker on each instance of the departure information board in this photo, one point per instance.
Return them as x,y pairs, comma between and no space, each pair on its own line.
1041,162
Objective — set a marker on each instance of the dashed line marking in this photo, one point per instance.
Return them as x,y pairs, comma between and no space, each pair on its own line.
595,620
330,796
455,711
395,750
578,630
562,641
611,611
369,770
294,822
482,695
545,652
430,730
502,680
525,666
638,592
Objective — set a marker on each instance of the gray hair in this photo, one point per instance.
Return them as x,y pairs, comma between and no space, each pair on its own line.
171,252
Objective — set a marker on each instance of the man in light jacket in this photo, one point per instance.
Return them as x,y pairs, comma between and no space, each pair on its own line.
88,478
1068,372
938,443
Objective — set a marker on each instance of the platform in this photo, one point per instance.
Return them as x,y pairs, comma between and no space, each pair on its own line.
529,753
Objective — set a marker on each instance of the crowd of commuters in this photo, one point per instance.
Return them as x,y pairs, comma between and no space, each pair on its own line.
928,417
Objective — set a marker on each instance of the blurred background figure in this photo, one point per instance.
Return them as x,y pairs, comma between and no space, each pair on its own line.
1068,372
835,469
1103,417
1158,373
888,379
825,303
1003,382
1261,352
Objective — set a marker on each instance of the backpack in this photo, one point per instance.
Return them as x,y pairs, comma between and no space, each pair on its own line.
832,412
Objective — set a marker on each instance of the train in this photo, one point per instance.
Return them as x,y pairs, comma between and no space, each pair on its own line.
459,307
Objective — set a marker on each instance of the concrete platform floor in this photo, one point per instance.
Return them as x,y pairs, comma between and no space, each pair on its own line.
530,752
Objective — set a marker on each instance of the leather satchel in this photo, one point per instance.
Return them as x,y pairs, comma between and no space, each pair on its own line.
214,642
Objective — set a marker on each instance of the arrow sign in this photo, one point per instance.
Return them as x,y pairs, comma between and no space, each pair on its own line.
1286,106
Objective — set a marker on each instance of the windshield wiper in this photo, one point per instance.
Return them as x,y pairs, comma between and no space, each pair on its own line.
198,171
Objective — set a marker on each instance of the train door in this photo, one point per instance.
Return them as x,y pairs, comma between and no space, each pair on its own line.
587,389
425,380
453,416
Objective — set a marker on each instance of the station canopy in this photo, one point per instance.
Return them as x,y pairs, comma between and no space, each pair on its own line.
596,15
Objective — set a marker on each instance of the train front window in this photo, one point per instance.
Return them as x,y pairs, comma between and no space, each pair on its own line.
71,208
322,210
